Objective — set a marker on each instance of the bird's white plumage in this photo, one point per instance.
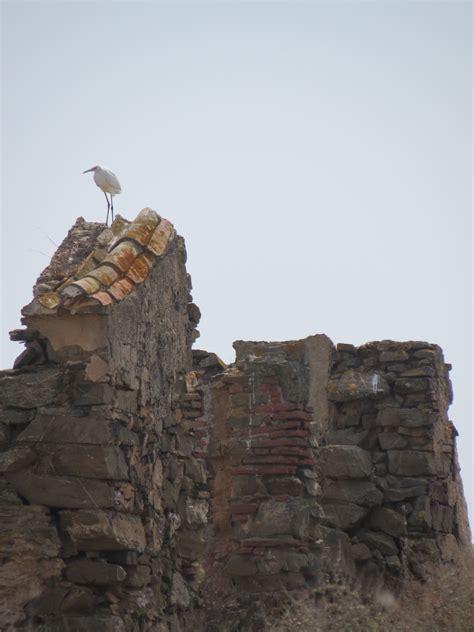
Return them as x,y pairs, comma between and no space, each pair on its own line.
107,181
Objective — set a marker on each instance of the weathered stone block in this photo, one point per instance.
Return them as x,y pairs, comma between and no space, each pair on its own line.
406,417
103,530
179,595
58,492
391,441
359,492
137,576
16,459
16,417
240,566
31,390
90,461
57,429
190,544
353,385
408,385
96,573
380,541
343,515
420,516
411,463
281,518
290,485
388,520
345,461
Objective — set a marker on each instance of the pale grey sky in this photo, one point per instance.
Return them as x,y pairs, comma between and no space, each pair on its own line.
315,156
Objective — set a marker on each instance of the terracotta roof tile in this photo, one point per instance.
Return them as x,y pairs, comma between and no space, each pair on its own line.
140,268
123,255
50,300
88,284
163,234
142,228
103,297
105,274
120,289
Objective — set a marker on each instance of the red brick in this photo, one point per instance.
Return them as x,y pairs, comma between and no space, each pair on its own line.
260,430
201,433
275,398
280,425
240,518
305,452
291,441
293,414
289,433
264,408
274,458
259,451
200,454
264,470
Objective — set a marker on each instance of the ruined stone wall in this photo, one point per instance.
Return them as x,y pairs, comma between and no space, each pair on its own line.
333,462
137,474
101,508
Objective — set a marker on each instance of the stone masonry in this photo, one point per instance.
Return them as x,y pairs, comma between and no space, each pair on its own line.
137,474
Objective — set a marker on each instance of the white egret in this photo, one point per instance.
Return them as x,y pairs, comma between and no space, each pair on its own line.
108,182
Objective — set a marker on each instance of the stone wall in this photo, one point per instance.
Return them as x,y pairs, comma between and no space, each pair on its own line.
101,501
333,462
137,474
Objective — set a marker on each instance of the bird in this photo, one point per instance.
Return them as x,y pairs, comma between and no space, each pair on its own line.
108,182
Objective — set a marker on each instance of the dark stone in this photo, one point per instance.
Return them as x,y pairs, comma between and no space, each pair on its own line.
57,429
380,541
62,492
388,520
241,566
16,459
96,530
347,436
408,385
284,485
31,389
16,417
195,470
91,461
406,417
190,544
281,518
344,461
343,515
442,517
94,623
360,492
391,440
411,463
92,394
123,557
96,573
137,576
353,385
361,551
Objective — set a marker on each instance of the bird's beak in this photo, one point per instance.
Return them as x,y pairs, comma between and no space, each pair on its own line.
87,170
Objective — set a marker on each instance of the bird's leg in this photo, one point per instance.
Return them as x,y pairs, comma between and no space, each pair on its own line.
112,206
108,209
